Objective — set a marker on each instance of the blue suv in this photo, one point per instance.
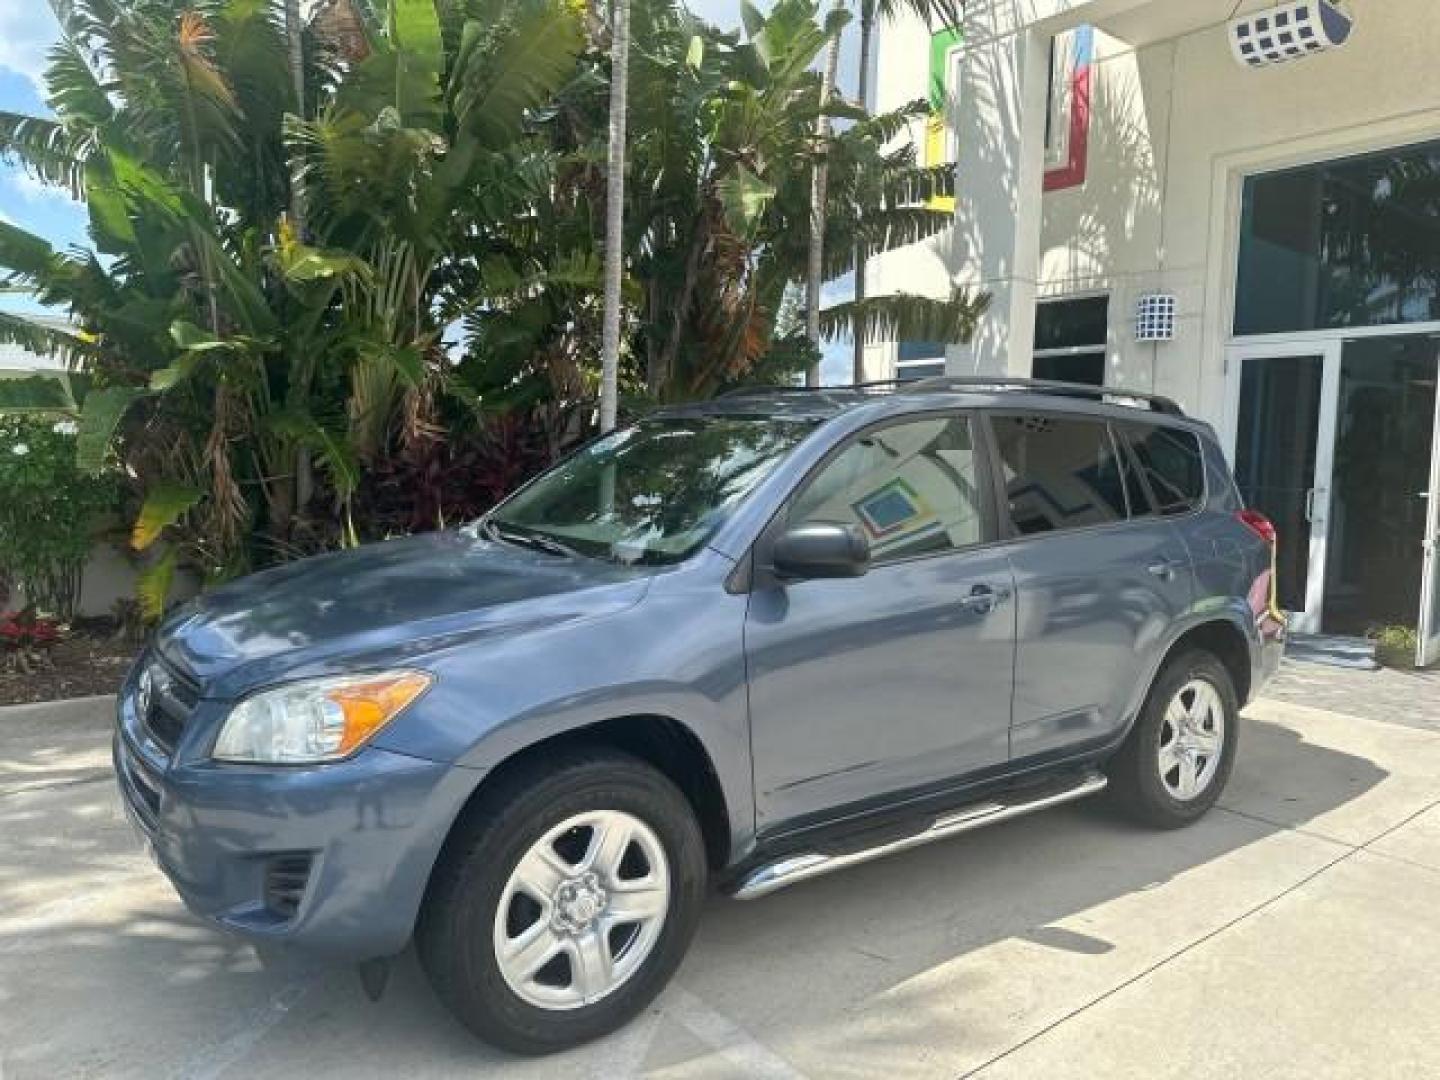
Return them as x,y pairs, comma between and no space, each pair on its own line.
738,643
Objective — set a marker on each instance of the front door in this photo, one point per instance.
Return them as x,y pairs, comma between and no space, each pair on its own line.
1335,441
1380,483
1282,416
901,679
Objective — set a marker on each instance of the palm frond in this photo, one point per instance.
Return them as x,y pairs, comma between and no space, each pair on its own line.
46,149
885,127
100,417
934,13
894,227
492,89
906,317
25,257
43,339
74,90
912,184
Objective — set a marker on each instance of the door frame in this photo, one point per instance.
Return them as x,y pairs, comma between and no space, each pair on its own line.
1327,348
1427,645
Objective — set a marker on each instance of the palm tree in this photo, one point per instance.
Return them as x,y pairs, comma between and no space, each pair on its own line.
295,55
719,199
615,213
834,24
219,337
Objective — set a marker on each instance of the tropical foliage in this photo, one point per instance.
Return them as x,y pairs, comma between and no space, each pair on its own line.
311,323
48,511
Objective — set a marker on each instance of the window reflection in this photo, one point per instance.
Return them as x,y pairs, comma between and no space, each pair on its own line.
1346,243
655,492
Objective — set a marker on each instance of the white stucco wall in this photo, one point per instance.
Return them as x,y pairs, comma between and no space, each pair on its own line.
1176,125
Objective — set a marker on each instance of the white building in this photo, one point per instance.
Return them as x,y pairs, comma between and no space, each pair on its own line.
1112,150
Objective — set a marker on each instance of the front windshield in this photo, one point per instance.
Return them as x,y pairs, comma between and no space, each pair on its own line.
650,493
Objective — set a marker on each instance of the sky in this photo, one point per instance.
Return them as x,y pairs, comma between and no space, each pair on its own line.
28,29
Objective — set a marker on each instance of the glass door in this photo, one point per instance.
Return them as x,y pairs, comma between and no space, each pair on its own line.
1281,418
1381,482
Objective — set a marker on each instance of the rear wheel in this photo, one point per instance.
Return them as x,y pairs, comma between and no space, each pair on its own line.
565,902
1178,756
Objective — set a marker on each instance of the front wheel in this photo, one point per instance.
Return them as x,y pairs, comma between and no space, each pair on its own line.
565,902
1179,754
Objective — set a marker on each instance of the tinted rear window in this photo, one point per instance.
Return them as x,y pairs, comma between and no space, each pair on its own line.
1172,466
1059,472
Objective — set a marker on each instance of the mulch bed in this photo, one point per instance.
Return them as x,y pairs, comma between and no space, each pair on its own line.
91,660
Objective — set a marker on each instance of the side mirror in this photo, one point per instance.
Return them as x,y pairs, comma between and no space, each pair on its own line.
821,551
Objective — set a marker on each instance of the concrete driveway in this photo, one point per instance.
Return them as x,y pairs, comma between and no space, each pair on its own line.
1295,933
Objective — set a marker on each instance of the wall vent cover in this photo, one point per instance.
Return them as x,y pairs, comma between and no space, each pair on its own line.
1288,31
1155,317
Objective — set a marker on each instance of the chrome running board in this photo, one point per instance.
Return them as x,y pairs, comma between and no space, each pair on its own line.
796,868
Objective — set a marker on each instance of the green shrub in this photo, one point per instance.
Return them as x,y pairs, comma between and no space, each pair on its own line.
48,510
1395,645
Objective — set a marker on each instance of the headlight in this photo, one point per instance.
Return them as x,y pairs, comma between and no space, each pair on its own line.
316,720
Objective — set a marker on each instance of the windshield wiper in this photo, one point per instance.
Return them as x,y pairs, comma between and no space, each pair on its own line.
535,541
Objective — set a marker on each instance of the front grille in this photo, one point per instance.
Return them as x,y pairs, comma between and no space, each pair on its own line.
285,879
173,699
139,789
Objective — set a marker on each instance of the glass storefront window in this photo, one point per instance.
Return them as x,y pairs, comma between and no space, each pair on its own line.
1346,243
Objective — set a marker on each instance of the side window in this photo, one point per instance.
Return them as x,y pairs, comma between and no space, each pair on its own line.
912,488
1059,472
1171,462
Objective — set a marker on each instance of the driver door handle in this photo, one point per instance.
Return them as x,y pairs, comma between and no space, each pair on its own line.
983,599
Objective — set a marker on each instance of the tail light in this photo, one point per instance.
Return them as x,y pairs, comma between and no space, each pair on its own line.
1257,523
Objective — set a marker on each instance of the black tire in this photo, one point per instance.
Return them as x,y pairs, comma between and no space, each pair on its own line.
1135,782
454,935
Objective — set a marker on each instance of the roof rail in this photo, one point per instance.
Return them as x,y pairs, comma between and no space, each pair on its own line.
984,383
785,388
1115,395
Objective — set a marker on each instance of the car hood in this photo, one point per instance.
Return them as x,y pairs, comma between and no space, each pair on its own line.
380,604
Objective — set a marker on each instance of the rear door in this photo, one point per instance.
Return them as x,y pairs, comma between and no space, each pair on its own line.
899,680
1099,577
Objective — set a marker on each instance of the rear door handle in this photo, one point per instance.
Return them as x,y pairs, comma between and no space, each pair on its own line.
1165,569
983,599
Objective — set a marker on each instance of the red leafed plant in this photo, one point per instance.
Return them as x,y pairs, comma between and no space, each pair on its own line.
27,638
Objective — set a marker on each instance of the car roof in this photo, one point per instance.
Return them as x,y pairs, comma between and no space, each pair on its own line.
883,399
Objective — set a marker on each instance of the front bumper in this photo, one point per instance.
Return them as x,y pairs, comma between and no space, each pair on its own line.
333,859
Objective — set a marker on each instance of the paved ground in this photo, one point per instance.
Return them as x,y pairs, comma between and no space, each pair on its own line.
1292,934
1399,697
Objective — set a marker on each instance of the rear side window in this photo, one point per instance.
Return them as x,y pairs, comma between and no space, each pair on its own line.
1059,472
1171,465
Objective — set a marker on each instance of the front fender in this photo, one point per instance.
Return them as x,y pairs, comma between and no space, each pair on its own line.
679,654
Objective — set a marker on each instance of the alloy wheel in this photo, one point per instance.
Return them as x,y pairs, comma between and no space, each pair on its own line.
1192,740
582,910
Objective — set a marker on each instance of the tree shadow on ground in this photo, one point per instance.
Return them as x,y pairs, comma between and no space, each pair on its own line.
127,983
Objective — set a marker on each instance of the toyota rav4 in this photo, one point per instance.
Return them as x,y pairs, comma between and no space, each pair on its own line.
738,643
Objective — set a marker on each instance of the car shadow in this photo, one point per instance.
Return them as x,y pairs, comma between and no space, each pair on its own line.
128,983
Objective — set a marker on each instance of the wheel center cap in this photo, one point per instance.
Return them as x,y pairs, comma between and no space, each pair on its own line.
578,903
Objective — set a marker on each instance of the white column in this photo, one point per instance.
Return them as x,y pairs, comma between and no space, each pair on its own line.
1000,126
